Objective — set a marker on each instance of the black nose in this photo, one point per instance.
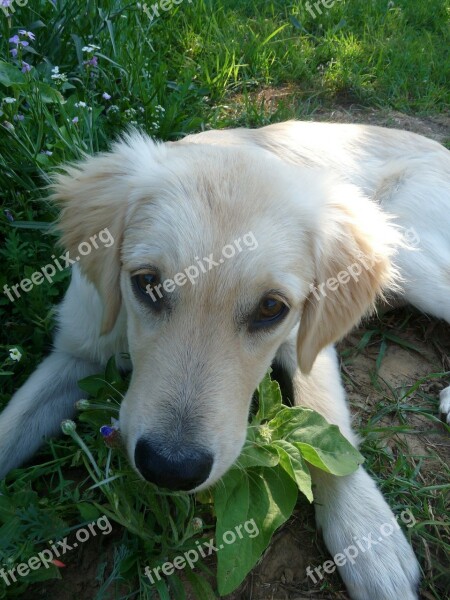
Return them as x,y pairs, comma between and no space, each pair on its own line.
182,469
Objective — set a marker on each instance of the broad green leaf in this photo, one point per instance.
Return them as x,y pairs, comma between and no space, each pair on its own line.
127,564
112,374
270,400
93,384
10,75
257,455
295,466
88,512
49,95
261,499
320,443
201,588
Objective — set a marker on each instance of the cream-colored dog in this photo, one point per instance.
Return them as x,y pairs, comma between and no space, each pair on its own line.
303,207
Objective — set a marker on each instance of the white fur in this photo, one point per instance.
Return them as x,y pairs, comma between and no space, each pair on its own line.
312,195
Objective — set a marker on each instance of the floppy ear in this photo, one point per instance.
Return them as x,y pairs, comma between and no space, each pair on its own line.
93,196
352,266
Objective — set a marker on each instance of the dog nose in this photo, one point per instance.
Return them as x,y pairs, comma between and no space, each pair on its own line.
182,469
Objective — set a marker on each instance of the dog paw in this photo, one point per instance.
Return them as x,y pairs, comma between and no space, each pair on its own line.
366,541
385,567
444,405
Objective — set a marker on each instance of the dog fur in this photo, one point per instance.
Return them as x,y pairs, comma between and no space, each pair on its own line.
314,196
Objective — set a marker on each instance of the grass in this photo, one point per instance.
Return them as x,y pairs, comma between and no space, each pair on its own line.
202,64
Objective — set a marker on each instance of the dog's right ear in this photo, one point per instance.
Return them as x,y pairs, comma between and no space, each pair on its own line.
93,199
94,196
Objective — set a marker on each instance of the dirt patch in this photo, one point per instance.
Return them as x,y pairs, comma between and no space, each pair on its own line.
269,101
436,127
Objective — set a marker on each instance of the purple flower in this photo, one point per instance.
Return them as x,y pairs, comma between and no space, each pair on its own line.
23,43
6,3
75,120
15,39
8,215
93,62
106,96
111,434
106,430
14,52
25,67
19,117
28,34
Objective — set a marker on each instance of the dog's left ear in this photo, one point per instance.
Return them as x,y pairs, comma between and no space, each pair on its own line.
352,266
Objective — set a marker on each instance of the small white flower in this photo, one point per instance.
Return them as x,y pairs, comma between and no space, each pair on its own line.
90,48
9,100
80,104
57,76
14,354
60,76
197,524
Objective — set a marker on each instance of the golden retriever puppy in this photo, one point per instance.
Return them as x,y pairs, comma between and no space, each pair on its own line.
231,251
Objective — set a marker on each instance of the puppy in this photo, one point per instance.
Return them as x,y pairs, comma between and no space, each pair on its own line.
221,243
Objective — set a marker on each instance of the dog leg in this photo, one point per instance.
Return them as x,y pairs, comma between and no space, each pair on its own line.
351,510
36,410
444,405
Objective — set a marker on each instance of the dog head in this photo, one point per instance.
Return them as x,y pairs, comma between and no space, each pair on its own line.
219,254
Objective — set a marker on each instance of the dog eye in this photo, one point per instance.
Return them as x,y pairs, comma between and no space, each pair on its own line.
148,286
270,310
